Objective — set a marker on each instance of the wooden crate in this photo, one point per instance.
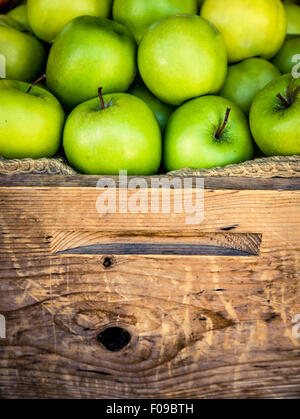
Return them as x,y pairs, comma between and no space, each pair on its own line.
200,311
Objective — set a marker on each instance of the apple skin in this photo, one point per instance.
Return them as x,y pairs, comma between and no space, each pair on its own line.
276,130
171,57
190,136
161,111
139,15
8,21
123,136
19,14
250,28
293,17
25,55
31,124
284,58
48,17
91,52
245,79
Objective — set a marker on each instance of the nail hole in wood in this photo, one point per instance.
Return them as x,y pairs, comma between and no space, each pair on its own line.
107,262
114,339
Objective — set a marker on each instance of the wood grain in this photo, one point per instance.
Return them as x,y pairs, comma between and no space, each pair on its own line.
63,242
233,183
202,326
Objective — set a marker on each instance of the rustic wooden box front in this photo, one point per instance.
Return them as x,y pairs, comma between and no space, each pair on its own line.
207,310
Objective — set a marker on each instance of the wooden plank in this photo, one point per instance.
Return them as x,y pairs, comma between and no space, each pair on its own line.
84,181
74,208
200,326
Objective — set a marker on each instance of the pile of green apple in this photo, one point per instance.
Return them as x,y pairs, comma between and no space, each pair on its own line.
129,84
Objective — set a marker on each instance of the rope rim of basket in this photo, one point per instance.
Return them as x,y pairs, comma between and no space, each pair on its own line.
267,167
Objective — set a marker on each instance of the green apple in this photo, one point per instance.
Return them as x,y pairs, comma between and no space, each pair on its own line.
288,56
182,57
161,111
31,121
293,17
117,132
19,14
48,17
245,79
24,55
207,132
275,117
6,20
138,15
250,28
89,52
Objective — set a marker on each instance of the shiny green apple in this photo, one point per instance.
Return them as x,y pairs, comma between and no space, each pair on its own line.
19,14
138,15
207,132
48,17
250,28
118,132
24,55
89,52
31,122
293,17
182,57
245,79
288,57
161,111
6,20
275,117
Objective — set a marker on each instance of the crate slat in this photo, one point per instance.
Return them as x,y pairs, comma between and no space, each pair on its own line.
217,323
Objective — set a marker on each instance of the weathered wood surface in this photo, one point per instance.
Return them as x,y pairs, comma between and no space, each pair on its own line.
224,183
201,326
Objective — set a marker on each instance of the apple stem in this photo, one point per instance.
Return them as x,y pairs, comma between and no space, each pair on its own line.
220,131
101,98
37,81
283,101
